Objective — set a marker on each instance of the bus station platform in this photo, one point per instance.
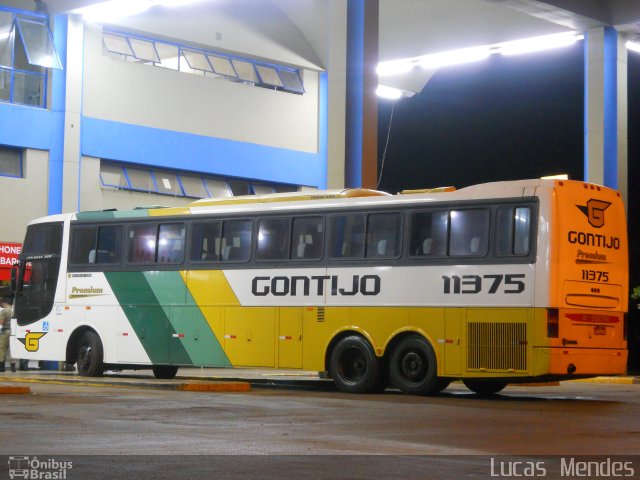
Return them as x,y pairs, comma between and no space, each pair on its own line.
207,380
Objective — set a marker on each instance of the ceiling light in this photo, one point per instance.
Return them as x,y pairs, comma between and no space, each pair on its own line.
537,44
394,67
113,9
454,57
635,47
391,93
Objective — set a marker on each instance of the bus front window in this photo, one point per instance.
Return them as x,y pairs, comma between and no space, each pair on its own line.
38,272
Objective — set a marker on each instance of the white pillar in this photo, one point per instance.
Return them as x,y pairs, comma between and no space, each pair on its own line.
605,155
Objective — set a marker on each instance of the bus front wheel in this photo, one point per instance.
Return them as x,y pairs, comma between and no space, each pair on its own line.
354,366
90,352
164,372
484,388
413,368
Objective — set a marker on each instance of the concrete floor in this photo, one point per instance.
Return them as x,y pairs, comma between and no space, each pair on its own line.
302,425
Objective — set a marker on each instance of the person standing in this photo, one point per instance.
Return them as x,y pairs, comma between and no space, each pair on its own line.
5,333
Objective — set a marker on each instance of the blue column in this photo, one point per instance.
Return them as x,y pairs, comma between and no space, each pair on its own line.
355,79
361,109
58,102
323,127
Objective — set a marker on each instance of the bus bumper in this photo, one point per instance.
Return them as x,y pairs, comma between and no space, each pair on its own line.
580,361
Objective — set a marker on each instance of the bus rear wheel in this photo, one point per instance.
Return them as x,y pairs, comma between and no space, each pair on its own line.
484,388
89,363
353,365
164,372
413,368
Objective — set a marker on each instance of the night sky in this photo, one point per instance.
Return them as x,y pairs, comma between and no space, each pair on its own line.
503,118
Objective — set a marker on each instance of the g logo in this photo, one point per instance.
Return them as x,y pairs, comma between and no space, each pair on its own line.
31,341
594,210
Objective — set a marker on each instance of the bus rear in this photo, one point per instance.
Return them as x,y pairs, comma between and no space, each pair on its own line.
589,278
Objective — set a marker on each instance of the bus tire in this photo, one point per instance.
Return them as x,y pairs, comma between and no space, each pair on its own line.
90,353
354,366
413,367
484,388
164,372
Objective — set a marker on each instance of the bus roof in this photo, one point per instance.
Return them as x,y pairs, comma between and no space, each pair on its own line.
324,199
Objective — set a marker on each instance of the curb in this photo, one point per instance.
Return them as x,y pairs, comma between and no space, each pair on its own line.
10,389
614,380
216,386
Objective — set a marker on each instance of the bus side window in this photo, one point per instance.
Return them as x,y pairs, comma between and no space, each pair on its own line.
273,239
82,246
307,235
171,243
205,243
142,243
513,231
383,235
109,245
429,233
347,236
469,232
236,240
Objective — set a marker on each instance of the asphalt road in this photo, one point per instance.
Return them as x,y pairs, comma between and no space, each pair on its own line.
132,432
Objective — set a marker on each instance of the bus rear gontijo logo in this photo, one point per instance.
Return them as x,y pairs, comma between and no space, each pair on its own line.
31,341
594,210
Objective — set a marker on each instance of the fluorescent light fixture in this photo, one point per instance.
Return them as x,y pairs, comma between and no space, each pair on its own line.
391,93
538,44
454,57
474,54
394,67
113,9
560,176
634,47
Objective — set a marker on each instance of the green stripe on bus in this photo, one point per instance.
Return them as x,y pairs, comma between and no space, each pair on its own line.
109,214
187,320
147,317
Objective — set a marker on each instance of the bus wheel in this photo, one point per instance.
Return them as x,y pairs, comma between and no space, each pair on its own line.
353,365
89,361
484,388
165,372
413,368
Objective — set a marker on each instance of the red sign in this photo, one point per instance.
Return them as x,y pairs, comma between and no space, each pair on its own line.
8,257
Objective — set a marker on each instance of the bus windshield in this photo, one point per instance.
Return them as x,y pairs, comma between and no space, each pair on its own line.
36,286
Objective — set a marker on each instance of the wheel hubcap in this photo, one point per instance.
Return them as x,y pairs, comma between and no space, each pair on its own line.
413,366
354,365
84,356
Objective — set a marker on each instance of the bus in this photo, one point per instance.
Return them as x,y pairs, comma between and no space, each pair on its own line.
497,283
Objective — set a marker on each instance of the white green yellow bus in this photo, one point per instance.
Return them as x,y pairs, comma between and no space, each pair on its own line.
492,284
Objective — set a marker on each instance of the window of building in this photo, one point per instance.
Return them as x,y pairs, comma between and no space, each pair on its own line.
26,54
172,182
198,61
10,162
